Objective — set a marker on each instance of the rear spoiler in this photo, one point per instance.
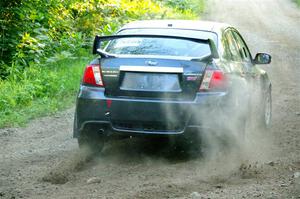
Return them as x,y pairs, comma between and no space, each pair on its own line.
102,53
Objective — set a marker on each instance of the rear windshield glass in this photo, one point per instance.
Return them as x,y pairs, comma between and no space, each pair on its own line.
157,46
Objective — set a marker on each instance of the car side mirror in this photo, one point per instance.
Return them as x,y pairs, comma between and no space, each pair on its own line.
262,58
96,45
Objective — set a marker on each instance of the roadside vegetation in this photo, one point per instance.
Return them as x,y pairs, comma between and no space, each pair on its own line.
45,45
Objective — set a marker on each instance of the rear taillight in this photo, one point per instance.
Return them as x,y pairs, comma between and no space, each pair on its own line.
213,80
92,75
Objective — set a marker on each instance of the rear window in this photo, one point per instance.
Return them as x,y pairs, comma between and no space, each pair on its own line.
157,46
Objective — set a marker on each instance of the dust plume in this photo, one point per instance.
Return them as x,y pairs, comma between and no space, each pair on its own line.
64,170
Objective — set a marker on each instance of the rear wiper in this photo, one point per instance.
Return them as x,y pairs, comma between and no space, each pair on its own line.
205,58
105,54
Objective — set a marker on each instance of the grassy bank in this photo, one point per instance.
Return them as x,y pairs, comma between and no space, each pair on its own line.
298,2
43,75
39,91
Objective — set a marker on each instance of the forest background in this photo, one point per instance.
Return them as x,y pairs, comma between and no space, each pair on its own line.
45,45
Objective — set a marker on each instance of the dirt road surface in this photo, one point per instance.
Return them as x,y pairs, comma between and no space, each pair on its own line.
43,161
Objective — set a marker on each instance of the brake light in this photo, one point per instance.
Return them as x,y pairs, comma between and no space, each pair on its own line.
92,75
213,80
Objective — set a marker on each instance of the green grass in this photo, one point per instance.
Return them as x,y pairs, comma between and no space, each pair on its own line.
298,2
39,91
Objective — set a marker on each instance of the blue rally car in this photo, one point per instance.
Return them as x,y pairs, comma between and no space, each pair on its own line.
170,78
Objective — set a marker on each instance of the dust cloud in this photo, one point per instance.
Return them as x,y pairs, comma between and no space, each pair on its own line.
237,141
217,153
64,170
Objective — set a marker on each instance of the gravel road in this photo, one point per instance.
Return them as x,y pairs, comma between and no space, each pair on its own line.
42,160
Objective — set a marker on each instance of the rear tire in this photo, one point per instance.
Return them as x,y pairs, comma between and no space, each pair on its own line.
93,141
188,144
89,138
266,111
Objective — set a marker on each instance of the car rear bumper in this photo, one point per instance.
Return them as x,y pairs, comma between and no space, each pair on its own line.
143,116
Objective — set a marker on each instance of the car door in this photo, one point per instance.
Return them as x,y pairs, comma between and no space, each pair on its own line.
236,69
250,71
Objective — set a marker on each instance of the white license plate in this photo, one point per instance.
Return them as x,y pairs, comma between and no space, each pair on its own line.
155,82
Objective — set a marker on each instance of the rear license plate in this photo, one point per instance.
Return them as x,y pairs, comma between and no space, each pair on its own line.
155,82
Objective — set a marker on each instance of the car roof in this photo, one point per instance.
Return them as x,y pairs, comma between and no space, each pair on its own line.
178,24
